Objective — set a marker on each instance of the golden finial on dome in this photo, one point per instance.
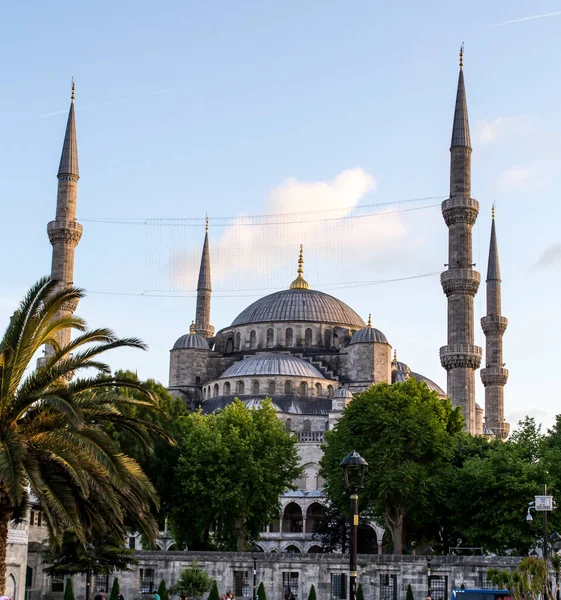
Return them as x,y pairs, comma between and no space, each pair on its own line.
73,94
395,355
462,55
300,283
192,328
206,223
369,319
493,211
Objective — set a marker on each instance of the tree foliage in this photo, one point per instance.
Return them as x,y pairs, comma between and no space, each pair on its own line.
526,582
114,589
214,595
359,592
163,591
192,583
261,592
409,594
101,558
52,431
68,590
233,465
406,434
312,593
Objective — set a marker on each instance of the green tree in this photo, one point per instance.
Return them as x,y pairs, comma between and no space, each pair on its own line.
312,593
261,592
52,436
409,594
68,590
192,582
114,589
359,592
102,557
527,581
406,434
233,465
163,591
214,595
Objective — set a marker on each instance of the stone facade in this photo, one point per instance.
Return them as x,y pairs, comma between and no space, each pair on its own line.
382,577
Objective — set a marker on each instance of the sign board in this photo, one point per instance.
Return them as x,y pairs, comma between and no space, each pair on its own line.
544,503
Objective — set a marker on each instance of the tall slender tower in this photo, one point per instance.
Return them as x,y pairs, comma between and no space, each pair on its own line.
460,357
494,376
204,291
65,232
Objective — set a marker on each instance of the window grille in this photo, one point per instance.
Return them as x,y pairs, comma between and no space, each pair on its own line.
147,577
438,587
388,586
338,586
57,583
289,585
132,542
241,584
101,583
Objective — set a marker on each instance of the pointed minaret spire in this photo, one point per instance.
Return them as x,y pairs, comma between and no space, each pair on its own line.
460,357
494,376
204,291
65,232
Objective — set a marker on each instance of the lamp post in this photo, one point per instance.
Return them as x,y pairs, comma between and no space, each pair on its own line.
353,466
254,550
428,553
545,504
89,549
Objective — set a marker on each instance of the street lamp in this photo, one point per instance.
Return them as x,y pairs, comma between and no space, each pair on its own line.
545,504
353,466
428,553
254,550
89,549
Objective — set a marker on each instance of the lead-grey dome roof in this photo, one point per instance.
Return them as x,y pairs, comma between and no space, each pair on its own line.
368,335
272,363
299,305
192,341
343,393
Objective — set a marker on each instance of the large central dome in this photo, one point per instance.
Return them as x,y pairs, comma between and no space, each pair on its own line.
299,305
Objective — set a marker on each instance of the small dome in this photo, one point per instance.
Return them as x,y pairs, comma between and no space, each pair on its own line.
191,341
430,383
343,393
272,363
368,335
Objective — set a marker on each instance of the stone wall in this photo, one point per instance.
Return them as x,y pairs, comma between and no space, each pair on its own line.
376,574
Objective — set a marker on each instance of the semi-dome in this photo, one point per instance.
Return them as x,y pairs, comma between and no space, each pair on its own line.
401,372
430,383
368,335
191,341
299,304
272,363
343,393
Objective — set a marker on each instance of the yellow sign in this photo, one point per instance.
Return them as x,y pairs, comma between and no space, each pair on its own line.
355,520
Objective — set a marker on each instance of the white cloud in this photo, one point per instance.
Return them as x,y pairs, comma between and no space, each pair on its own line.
261,252
550,257
520,177
500,128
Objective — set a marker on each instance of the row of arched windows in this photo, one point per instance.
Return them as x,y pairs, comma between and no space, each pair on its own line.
272,389
290,340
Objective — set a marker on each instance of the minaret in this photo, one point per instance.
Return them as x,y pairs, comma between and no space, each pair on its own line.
460,357
204,291
494,376
65,232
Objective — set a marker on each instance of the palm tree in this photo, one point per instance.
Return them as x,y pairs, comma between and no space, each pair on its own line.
53,442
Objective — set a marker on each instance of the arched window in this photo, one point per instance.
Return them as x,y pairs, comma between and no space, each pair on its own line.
288,424
292,549
227,388
252,339
288,387
216,390
204,393
307,425
327,426
272,388
229,345
330,391
308,337
238,341
314,516
328,338
303,389
197,381
289,338
292,520
319,389
270,335
240,387
255,387
335,340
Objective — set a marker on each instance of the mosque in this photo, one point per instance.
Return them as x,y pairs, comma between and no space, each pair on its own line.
308,351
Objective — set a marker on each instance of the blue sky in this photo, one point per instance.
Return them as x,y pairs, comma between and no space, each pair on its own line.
249,108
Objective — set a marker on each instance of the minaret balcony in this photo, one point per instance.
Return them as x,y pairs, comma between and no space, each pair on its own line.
460,281
494,376
65,231
456,356
460,210
494,324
